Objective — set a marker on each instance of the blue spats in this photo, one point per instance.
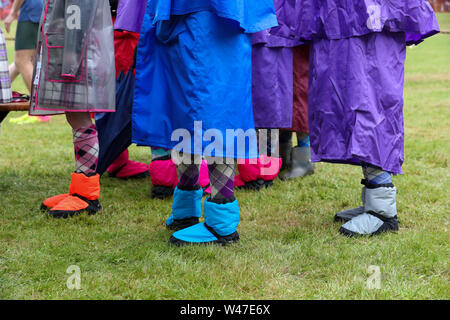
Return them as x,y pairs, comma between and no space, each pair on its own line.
223,218
220,226
195,234
186,204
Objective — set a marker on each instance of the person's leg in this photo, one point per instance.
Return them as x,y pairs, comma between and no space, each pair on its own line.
163,173
303,139
84,189
221,209
256,174
189,173
13,72
300,163
221,176
187,197
300,159
85,141
375,175
285,143
379,205
23,61
77,121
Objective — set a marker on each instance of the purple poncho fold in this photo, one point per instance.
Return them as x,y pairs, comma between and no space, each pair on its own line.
130,14
273,69
252,15
339,19
284,35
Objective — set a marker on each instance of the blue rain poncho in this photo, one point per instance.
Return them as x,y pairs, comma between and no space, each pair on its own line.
194,75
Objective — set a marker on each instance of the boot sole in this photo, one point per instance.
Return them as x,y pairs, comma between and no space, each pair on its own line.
233,238
283,178
340,219
256,185
91,209
141,175
383,229
162,192
44,207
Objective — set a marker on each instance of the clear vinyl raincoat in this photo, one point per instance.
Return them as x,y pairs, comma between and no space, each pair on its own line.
74,66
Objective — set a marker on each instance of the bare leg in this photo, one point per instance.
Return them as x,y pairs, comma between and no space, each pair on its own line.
79,119
13,72
85,183
23,60
23,65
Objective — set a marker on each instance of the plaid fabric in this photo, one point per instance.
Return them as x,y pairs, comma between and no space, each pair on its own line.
188,175
5,81
85,141
375,175
189,171
222,180
93,87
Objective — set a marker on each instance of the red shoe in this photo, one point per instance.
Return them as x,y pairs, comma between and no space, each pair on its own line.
53,201
83,195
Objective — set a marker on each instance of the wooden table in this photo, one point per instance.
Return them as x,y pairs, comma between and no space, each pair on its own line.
5,108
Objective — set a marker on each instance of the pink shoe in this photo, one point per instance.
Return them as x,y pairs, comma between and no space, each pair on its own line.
124,168
163,174
43,118
203,179
256,176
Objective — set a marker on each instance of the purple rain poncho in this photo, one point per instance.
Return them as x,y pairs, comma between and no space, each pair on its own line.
339,19
357,76
272,68
130,14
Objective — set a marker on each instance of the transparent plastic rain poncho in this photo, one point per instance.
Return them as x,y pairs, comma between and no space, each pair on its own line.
74,66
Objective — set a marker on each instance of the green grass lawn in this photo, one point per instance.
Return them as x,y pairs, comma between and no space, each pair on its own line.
289,249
